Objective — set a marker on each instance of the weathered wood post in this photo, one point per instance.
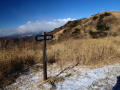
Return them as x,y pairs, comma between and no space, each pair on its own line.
44,38
44,58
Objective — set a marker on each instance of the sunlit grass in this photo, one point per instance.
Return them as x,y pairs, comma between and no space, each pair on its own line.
89,52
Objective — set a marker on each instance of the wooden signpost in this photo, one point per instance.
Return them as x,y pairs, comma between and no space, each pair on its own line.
44,37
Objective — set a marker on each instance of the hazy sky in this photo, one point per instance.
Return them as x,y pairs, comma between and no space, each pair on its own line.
19,16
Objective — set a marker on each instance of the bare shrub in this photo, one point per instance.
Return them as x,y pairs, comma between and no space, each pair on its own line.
30,60
51,60
17,64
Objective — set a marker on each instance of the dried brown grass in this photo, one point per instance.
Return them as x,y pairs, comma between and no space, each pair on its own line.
86,51
94,52
15,61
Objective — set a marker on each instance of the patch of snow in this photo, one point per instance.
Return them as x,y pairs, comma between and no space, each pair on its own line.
92,79
82,78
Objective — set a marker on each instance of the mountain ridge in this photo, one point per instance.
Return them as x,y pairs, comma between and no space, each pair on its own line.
99,25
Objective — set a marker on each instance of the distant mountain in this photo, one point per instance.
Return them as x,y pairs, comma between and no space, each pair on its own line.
20,35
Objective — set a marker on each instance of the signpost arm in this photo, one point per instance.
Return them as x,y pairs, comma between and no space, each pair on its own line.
44,58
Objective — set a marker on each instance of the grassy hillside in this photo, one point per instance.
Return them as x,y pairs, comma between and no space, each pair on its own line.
99,25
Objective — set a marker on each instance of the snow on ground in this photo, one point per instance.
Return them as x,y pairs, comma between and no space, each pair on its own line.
91,79
77,78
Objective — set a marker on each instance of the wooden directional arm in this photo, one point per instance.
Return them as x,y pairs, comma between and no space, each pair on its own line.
42,37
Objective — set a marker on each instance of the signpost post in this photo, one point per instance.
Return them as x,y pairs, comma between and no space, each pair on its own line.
44,37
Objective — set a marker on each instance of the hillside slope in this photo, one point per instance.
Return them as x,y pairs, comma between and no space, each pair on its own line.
99,25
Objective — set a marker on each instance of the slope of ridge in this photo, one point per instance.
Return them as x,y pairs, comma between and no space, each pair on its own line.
99,25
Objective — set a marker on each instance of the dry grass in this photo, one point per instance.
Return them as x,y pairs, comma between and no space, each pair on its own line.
13,61
86,52
94,52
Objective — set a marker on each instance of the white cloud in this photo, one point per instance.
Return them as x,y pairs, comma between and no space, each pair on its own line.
40,26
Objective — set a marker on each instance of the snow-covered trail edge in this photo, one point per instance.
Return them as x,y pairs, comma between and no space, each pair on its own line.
81,78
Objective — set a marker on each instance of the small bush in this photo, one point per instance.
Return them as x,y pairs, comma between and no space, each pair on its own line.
17,64
72,23
30,60
104,15
98,34
64,31
1,76
95,17
101,17
76,31
101,26
52,61
107,14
